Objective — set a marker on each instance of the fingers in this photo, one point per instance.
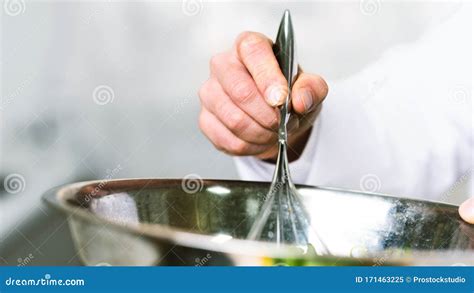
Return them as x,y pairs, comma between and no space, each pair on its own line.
242,90
256,53
223,139
216,101
466,210
238,101
308,92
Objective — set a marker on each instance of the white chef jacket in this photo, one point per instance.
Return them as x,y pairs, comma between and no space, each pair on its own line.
402,126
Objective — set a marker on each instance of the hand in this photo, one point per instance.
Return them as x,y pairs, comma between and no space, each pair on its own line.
466,210
239,114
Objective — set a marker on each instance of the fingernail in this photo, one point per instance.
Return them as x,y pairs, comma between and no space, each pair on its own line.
466,210
274,95
307,98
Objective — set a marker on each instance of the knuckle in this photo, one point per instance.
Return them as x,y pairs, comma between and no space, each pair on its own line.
242,92
215,61
202,122
239,147
204,126
202,93
243,36
237,121
218,146
251,43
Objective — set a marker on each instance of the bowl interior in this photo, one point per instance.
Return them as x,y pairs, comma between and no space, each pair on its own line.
350,224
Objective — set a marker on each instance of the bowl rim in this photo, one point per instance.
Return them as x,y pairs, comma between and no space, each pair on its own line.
57,198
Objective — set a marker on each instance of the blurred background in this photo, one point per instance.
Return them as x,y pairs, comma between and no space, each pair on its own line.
108,89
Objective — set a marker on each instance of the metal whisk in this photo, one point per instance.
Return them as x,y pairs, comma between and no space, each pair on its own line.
283,218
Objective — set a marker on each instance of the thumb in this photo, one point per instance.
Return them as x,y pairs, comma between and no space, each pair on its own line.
466,210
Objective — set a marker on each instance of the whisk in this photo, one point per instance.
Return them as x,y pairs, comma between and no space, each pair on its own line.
283,218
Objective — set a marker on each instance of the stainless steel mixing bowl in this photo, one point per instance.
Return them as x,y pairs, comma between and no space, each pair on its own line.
205,222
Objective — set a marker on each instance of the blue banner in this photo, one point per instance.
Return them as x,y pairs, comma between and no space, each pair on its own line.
237,279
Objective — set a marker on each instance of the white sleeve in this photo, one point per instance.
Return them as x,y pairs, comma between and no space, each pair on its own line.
253,169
